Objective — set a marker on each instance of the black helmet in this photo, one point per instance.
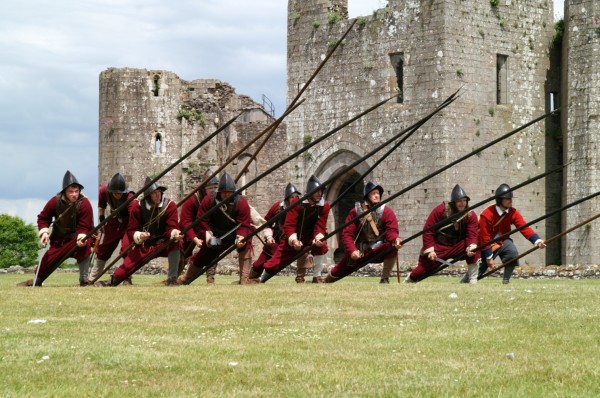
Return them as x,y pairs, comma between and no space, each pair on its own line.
152,188
213,181
502,192
458,193
69,179
117,184
226,183
313,183
290,189
370,186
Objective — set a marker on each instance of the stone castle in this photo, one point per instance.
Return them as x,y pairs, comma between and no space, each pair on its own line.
503,57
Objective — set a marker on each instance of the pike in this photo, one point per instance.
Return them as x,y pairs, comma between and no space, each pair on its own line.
124,204
459,214
203,183
408,131
559,235
297,97
501,237
402,191
270,170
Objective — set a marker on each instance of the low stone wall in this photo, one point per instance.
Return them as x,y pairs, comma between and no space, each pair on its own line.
571,271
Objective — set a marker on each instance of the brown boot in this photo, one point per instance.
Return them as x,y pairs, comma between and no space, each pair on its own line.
127,282
254,276
388,265
28,282
210,280
245,262
318,279
301,269
330,278
191,273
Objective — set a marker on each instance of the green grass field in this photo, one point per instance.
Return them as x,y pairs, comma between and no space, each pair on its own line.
352,338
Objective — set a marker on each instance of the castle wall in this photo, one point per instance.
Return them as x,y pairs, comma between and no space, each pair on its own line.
581,124
446,45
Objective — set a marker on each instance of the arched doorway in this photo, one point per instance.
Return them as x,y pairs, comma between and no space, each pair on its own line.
343,193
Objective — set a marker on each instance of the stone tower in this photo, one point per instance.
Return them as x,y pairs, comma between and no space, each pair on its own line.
497,55
581,122
150,118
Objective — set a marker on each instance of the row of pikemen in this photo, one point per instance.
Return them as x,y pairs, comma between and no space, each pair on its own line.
211,224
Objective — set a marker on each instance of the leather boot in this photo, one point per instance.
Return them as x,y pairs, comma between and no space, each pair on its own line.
210,275
330,278
28,282
301,269
388,265
84,270
127,281
245,262
265,276
254,276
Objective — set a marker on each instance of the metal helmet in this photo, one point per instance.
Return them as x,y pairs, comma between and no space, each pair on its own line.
370,186
313,184
213,181
69,179
117,184
502,192
458,193
152,188
290,189
226,183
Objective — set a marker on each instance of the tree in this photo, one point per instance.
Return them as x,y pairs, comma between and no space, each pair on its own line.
18,242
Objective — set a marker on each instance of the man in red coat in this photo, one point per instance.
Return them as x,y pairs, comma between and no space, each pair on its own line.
456,237
229,225
496,220
305,225
153,225
112,195
273,234
370,239
188,213
73,219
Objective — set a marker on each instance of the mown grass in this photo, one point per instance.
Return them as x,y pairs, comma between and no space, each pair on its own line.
352,338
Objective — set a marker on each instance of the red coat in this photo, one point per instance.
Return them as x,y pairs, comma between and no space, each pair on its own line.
83,219
302,219
105,200
242,217
389,228
160,227
189,209
489,228
469,222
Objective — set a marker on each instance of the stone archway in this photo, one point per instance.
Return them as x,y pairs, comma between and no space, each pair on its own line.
340,193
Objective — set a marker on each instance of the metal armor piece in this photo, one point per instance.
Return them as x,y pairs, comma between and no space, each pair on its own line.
313,184
226,183
291,189
69,179
371,186
152,187
502,192
117,184
458,193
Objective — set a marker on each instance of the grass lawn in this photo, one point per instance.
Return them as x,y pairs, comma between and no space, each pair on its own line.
352,338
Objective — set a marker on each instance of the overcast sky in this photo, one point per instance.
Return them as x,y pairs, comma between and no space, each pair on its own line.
54,51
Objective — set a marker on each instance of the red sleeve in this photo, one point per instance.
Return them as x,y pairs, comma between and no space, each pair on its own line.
102,203
243,217
390,224
436,215
44,219
85,217
518,221
321,225
188,210
485,227
171,218
135,217
273,211
291,220
472,229
203,225
349,232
